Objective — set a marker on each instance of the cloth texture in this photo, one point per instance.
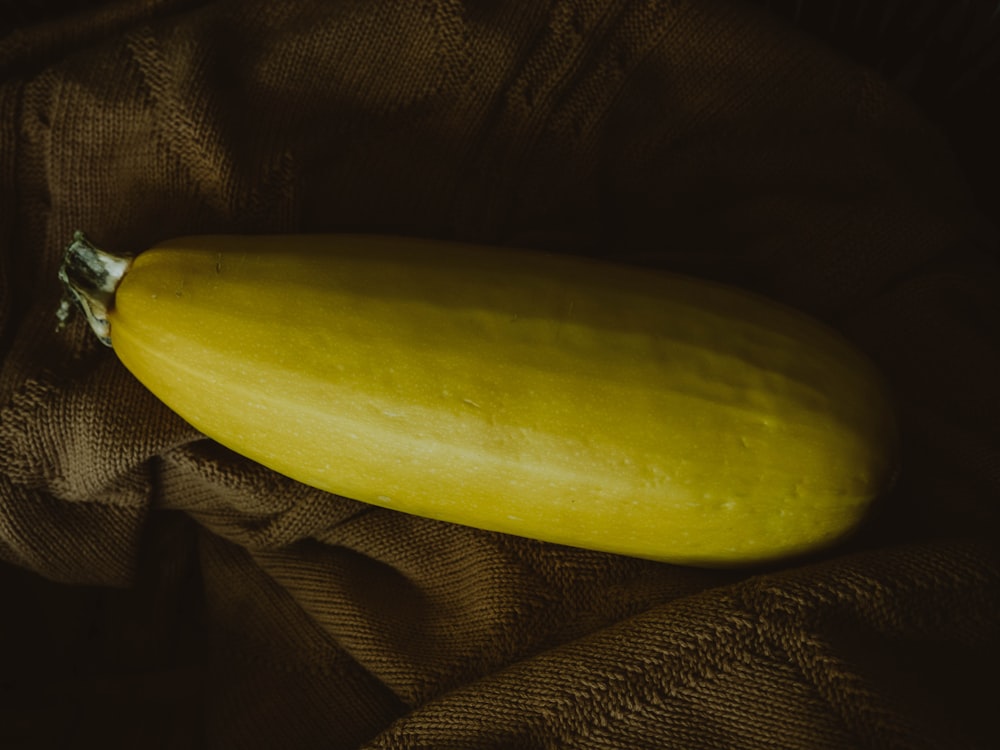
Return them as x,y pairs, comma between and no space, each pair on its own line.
160,591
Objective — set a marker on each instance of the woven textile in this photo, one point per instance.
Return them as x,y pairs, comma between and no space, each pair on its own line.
161,591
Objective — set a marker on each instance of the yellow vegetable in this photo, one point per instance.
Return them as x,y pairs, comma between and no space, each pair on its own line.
547,396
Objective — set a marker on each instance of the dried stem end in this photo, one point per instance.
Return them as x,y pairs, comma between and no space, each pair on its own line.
91,276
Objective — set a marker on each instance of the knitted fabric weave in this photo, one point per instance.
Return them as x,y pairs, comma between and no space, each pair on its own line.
164,592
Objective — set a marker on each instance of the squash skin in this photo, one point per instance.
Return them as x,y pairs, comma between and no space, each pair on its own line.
553,397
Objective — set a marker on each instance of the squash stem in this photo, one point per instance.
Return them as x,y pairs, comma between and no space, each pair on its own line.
90,277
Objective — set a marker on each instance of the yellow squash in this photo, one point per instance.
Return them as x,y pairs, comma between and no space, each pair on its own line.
547,396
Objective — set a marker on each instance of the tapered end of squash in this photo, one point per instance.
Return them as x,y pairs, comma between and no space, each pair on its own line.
90,277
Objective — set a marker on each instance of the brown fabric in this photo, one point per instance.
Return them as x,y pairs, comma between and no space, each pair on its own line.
162,592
